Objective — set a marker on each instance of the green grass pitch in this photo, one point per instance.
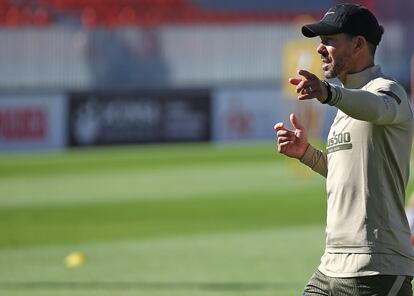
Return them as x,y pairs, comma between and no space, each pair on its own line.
159,220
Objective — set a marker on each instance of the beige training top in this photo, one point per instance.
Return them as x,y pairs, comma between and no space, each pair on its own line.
367,170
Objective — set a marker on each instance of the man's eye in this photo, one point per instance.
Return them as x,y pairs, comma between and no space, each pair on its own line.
326,41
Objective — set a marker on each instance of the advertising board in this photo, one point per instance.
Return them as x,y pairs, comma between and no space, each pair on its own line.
141,117
32,122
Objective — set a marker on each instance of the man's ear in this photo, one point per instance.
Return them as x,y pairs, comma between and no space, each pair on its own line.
359,43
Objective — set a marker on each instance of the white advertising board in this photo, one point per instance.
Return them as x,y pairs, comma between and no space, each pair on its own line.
32,122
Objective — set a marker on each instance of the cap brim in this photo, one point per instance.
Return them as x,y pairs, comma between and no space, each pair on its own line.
318,29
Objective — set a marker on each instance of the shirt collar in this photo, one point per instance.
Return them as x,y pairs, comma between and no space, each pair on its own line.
360,79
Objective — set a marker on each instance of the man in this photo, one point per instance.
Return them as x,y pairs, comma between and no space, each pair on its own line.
368,249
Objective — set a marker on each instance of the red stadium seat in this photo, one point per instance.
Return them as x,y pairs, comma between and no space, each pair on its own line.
127,16
41,17
12,17
88,17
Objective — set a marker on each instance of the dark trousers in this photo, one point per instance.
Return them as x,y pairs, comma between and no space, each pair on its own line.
377,285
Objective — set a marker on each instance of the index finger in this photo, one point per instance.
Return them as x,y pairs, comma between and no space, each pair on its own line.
278,126
306,74
295,81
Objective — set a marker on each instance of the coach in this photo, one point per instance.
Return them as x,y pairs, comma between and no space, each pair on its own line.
368,249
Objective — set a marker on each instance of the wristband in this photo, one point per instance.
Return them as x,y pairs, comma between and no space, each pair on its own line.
328,88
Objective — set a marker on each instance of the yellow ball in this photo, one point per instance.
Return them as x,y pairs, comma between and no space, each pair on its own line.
75,259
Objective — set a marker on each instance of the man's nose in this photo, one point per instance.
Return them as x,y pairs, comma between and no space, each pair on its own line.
321,49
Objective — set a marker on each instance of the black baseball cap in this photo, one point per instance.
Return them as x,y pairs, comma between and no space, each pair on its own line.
353,19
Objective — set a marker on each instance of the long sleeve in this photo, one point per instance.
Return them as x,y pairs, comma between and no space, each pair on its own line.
382,102
316,160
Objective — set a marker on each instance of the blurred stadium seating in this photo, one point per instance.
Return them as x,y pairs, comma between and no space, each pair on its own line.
92,13
95,41
109,13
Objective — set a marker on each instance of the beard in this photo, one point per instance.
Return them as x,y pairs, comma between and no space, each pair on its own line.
334,68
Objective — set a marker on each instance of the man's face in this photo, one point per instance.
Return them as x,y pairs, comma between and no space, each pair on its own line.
336,55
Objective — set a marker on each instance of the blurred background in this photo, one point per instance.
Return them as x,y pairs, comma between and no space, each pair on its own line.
88,72
137,98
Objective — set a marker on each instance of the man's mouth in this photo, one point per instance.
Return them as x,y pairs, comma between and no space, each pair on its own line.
325,64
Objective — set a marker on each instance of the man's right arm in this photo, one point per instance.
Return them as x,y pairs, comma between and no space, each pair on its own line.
316,160
294,143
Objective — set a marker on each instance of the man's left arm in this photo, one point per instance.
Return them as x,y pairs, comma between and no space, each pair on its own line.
383,104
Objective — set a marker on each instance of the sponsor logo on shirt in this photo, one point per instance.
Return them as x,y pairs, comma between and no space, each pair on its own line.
337,142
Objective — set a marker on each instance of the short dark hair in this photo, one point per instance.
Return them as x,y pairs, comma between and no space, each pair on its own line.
372,48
